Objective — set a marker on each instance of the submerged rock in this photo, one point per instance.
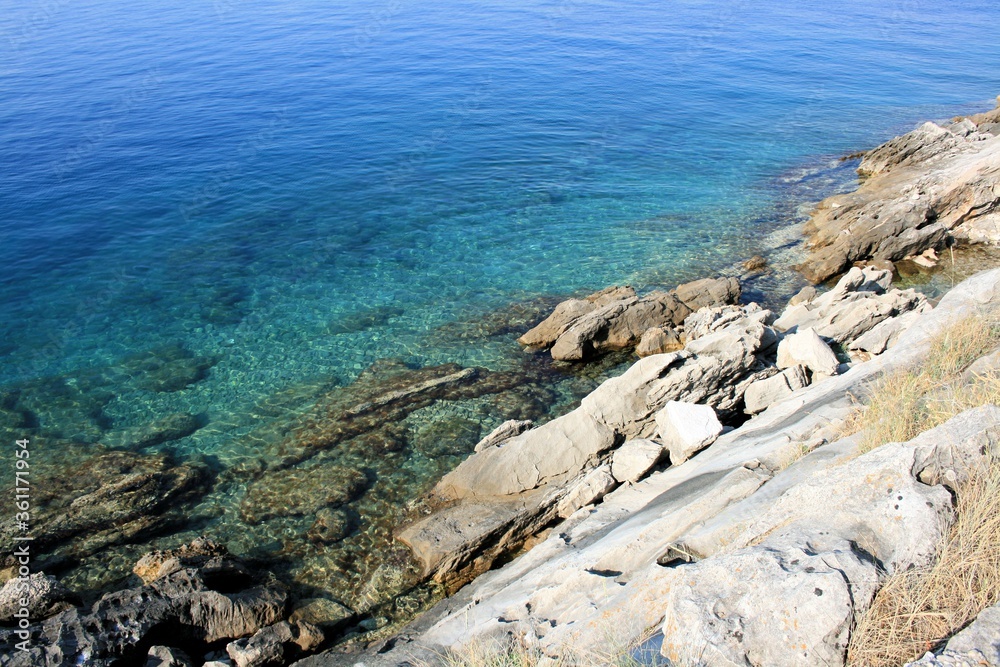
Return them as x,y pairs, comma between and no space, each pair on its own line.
301,491
125,496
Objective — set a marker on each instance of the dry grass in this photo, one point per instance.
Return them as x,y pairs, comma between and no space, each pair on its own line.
916,610
509,652
905,403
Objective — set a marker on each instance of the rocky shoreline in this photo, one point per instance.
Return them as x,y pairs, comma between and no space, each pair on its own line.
664,464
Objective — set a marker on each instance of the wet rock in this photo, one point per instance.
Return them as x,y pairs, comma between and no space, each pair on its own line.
322,612
858,303
171,427
447,437
755,264
275,645
196,607
504,432
297,491
635,458
763,393
592,487
806,348
686,428
921,187
44,596
331,525
202,553
123,497
165,656
658,340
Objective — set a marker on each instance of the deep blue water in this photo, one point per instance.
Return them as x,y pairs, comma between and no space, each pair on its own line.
243,177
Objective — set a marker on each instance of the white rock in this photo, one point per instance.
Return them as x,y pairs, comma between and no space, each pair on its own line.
806,348
594,485
635,458
763,393
687,428
982,635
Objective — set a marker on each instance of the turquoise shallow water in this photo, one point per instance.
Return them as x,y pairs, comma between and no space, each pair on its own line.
271,198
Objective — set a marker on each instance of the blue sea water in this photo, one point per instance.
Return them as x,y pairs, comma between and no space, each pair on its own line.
301,189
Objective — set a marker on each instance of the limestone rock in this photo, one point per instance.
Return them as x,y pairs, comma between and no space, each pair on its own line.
617,318
709,292
200,553
920,188
806,348
686,428
594,486
658,340
712,319
791,602
763,393
165,656
43,593
858,303
635,458
804,295
504,432
885,334
275,644
982,635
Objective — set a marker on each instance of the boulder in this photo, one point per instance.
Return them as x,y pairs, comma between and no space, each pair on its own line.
165,656
504,432
635,458
763,393
709,292
686,428
321,612
617,318
806,348
591,488
860,301
275,645
789,603
43,594
658,340
711,319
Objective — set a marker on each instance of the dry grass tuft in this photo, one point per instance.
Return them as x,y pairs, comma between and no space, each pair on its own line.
905,403
916,610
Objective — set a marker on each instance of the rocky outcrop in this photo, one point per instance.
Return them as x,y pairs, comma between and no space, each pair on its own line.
617,318
195,606
778,502
922,188
859,302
